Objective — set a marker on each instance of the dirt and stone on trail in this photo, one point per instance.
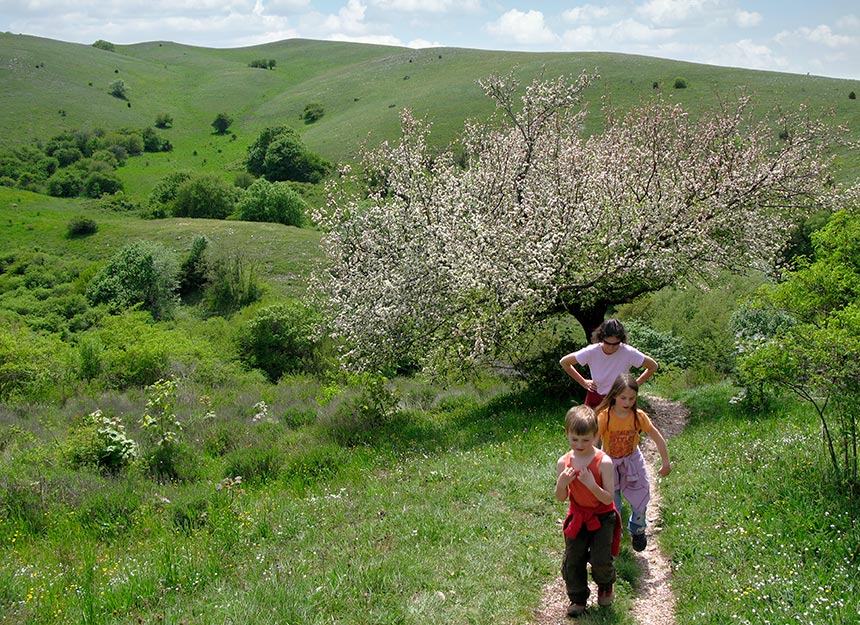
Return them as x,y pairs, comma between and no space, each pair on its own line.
654,603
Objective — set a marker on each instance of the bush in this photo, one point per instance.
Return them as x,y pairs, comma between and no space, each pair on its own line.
101,44
353,412
81,227
222,122
100,441
163,120
312,112
30,365
193,272
680,83
206,196
271,202
65,183
164,191
852,96
118,89
233,284
142,274
100,183
279,154
280,339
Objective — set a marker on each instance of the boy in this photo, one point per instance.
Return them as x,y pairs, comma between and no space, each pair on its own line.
592,529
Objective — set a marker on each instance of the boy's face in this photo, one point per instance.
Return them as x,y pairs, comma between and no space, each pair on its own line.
581,443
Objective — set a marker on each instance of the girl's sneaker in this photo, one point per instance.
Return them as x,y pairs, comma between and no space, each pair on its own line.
640,541
605,596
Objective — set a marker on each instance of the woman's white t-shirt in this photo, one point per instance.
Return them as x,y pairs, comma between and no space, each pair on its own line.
605,368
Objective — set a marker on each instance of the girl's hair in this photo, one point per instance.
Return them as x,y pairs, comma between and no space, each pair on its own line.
580,420
611,327
622,382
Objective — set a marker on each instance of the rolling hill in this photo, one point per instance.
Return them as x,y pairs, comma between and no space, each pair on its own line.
48,86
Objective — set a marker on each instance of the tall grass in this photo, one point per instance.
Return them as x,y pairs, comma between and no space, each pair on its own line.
756,529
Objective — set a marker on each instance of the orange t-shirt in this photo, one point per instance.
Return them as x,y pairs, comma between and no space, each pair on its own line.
622,437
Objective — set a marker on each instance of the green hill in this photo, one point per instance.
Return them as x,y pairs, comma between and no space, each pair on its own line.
48,86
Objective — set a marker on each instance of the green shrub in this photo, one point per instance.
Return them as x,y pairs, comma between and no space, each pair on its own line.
206,196
664,347
312,112
163,120
100,183
194,269
271,202
31,365
65,183
81,226
142,274
233,284
164,191
101,441
118,89
680,83
280,339
101,44
351,413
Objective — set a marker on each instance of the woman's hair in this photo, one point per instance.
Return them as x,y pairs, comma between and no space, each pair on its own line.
622,382
580,420
611,327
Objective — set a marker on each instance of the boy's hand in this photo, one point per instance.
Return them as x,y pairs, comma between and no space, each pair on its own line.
587,478
567,476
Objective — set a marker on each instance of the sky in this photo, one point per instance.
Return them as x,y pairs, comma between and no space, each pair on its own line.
795,36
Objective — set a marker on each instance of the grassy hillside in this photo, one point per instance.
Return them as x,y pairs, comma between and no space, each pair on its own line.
47,86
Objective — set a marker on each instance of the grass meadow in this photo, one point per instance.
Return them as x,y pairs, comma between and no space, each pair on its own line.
441,514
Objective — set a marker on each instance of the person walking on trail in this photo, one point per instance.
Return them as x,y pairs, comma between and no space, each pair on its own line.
619,425
607,358
592,529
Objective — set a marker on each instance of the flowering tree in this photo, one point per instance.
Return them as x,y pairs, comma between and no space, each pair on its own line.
443,261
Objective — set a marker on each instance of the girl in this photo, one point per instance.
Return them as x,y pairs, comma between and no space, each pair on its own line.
619,423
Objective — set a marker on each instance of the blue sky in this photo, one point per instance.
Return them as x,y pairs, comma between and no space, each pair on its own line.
800,37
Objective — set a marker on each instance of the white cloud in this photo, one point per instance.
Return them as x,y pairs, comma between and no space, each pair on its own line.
677,12
747,53
523,28
586,14
428,6
423,43
283,7
825,36
382,40
745,19
350,19
623,35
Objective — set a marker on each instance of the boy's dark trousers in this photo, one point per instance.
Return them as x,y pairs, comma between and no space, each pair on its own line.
589,546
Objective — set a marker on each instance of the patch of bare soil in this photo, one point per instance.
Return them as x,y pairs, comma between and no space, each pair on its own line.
654,603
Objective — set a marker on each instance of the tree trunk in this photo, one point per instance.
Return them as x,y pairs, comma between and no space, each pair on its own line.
591,318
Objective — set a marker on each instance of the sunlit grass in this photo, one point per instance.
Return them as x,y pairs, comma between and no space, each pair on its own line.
755,528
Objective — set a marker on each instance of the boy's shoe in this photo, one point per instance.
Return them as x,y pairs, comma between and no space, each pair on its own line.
576,609
605,596
640,541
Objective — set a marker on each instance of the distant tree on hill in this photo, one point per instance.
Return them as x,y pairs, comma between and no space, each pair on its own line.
263,63
163,120
222,123
206,196
313,111
279,154
101,44
118,89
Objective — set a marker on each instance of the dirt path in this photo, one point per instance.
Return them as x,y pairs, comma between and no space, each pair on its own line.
655,603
